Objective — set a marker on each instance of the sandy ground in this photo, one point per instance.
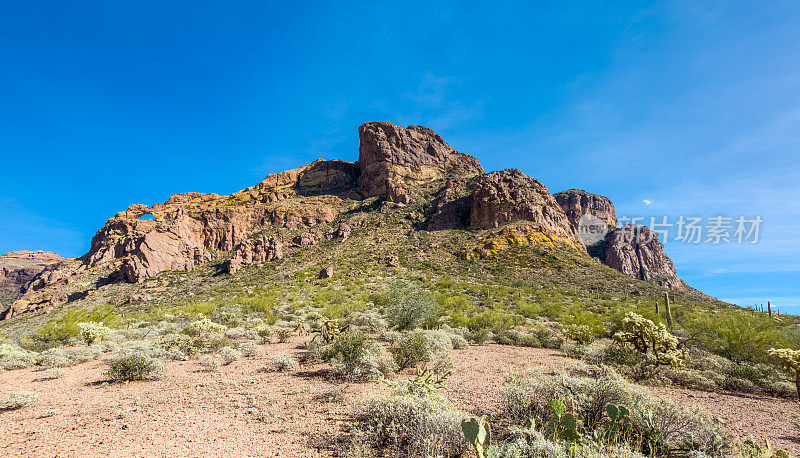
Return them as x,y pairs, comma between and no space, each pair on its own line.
243,411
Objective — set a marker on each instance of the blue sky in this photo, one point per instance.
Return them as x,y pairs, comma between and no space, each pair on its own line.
693,107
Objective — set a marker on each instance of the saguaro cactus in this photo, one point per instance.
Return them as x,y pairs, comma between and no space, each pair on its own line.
769,308
667,310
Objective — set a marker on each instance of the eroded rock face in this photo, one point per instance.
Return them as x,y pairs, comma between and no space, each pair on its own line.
577,202
186,228
18,268
389,154
510,195
261,249
636,251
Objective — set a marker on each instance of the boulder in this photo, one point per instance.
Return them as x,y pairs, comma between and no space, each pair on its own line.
390,156
133,298
326,272
636,251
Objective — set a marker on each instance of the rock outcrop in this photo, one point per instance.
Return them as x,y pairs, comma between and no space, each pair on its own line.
576,203
262,249
636,251
510,195
18,268
391,157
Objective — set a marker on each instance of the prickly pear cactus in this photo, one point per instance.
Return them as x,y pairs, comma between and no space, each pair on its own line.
477,432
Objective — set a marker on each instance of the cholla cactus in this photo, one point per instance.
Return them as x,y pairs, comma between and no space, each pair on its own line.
93,332
648,337
790,359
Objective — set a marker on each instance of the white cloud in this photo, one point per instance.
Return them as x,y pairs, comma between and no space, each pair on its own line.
647,202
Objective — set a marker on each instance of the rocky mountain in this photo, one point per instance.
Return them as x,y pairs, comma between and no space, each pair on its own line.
409,170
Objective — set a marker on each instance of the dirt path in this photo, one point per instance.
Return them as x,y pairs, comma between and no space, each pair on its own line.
244,411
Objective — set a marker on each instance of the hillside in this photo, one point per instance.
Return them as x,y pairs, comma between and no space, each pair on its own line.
387,257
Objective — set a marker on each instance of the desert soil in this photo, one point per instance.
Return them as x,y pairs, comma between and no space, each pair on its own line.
242,410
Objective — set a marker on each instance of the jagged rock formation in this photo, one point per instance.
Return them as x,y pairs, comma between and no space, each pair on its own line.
391,157
493,199
262,249
510,195
577,202
636,251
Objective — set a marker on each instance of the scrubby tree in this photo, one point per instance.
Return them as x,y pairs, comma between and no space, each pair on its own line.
650,338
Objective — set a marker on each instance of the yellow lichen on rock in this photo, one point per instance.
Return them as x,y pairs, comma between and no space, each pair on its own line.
516,236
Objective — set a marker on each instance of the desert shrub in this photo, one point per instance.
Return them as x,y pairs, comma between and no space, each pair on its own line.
93,332
210,363
17,400
248,349
478,336
517,338
60,330
52,373
283,334
650,339
204,326
229,355
235,333
14,357
354,355
264,333
69,356
55,357
419,347
368,320
583,326
736,335
547,337
458,342
656,424
411,422
530,443
185,344
136,367
411,308
282,363
175,354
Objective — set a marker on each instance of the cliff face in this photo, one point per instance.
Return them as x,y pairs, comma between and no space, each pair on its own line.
576,203
636,251
394,158
17,268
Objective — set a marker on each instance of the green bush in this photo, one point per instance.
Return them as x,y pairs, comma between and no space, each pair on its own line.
136,367
58,331
419,347
353,355
411,308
